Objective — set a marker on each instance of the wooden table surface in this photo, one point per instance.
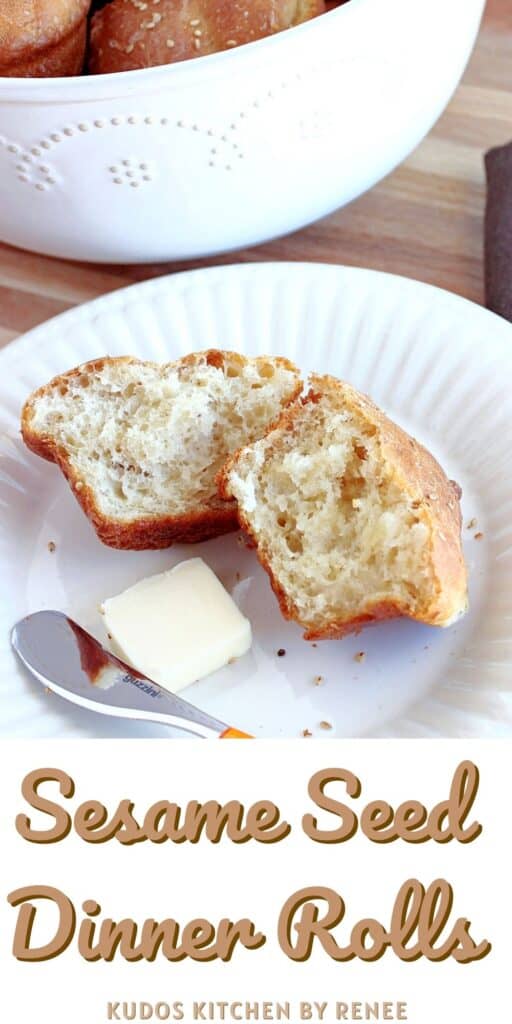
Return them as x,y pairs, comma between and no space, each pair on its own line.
425,220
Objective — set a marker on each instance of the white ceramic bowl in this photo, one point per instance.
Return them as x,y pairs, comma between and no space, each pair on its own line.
232,149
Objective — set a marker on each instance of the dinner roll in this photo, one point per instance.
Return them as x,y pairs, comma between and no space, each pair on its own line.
130,34
353,520
42,38
141,443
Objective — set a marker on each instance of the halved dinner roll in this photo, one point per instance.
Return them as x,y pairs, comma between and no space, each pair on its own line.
353,520
140,443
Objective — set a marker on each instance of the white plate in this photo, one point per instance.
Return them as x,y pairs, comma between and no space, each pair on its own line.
439,365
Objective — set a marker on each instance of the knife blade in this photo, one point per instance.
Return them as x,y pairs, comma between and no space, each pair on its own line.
69,661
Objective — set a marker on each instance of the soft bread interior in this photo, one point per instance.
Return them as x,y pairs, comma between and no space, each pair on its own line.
337,530
148,439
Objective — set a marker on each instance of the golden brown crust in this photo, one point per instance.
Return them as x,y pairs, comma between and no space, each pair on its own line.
418,474
128,34
142,533
42,38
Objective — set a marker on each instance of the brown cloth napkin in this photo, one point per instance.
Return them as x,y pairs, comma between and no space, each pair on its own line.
498,231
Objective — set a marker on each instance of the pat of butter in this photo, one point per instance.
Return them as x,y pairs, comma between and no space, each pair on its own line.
178,626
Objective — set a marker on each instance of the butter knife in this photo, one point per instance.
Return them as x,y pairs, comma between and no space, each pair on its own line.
70,662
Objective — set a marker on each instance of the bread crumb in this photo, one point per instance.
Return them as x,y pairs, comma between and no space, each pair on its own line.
281,652
325,725
360,656
307,733
471,525
318,680
314,645
51,546
478,536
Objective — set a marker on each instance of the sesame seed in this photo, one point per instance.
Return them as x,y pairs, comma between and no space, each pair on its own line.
325,725
194,22
170,43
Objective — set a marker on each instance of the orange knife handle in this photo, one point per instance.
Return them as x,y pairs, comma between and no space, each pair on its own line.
234,734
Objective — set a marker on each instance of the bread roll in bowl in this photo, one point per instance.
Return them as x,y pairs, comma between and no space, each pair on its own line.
42,38
129,34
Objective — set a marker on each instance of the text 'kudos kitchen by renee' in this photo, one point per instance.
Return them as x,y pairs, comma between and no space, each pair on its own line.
420,922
